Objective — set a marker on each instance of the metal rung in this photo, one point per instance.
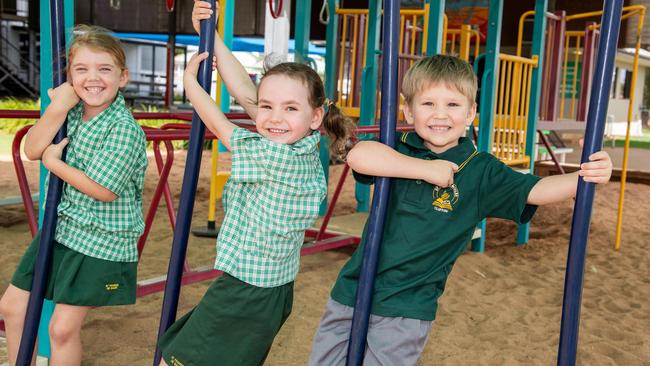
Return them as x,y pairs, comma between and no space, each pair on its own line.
15,200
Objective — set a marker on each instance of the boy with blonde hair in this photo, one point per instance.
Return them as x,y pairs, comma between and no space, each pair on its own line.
442,188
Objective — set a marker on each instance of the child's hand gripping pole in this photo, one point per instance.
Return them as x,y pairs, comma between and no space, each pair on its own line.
188,190
44,258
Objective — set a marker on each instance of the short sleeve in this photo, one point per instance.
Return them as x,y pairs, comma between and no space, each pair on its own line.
363,178
113,166
504,193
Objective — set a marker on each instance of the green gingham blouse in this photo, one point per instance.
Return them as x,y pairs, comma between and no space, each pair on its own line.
111,149
272,197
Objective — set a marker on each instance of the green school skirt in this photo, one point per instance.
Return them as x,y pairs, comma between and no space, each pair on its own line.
233,325
77,279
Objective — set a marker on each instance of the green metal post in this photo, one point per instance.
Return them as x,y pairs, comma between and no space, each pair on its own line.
488,93
330,84
535,89
368,91
435,26
227,40
45,84
302,29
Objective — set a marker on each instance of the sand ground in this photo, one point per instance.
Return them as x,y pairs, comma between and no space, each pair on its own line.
502,307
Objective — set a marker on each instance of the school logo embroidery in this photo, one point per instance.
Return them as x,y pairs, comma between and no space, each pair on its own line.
444,199
176,362
112,286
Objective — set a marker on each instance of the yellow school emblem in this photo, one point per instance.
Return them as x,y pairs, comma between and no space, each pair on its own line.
444,199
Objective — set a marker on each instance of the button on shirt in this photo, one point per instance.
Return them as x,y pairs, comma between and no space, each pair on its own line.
110,149
273,196
427,228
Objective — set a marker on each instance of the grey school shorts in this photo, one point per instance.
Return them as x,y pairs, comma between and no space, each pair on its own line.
391,341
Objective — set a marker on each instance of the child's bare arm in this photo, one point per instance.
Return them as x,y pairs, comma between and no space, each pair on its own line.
203,104
377,159
232,72
560,187
73,176
40,136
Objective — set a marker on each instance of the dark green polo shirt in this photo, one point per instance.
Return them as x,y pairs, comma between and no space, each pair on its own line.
428,228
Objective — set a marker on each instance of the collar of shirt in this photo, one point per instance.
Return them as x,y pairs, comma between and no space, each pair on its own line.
306,144
457,154
77,111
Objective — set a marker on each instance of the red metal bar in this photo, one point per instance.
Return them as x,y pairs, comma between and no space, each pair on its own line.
182,116
588,61
155,200
553,66
21,114
335,197
188,278
375,129
166,191
22,180
329,244
550,151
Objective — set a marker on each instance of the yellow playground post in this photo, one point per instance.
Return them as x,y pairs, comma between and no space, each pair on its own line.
217,179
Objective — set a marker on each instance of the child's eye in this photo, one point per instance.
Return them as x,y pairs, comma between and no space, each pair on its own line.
428,104
105,69
80,69
452,104
292,109
265,106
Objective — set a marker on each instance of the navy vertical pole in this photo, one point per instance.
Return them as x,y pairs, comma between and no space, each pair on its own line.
389,102
602,81
44,258
188,190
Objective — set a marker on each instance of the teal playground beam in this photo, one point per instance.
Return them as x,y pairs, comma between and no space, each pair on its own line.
302,30
368,94
488,94
539,41
435,27
330,85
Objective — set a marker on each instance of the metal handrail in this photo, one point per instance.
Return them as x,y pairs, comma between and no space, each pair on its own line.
7,42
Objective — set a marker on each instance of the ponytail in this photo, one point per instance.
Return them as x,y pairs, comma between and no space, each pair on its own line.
339,128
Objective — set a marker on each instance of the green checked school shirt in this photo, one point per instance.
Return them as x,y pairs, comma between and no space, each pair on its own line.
111,149
272,197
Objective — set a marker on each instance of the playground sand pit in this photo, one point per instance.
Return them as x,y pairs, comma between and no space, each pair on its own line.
500,308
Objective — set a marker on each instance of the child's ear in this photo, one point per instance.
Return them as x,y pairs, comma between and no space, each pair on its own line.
124,78
408,114
472,114
317,118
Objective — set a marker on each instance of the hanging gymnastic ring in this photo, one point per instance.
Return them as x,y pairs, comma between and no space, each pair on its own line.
275,13
170,5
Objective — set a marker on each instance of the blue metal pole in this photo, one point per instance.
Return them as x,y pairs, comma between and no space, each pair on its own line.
188,190
389,102
44,258
602,81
